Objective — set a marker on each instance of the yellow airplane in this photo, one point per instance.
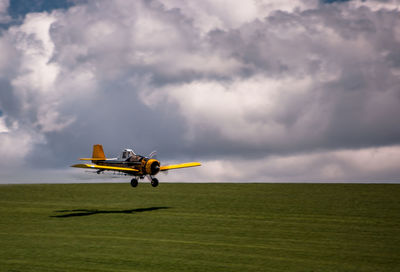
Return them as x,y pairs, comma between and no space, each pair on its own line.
130,164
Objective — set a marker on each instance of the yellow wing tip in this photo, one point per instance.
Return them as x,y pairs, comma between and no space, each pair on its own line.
177,166
80,165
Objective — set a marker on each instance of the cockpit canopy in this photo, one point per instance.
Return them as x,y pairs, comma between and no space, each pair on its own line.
127,153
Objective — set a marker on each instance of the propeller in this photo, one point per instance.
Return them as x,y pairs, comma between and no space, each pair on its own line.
153,154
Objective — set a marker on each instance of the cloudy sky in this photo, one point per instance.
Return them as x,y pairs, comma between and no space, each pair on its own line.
258,91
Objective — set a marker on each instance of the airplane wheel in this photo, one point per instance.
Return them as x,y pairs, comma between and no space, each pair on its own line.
134,182
154,182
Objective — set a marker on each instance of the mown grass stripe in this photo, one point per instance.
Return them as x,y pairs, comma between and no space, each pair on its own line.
203,227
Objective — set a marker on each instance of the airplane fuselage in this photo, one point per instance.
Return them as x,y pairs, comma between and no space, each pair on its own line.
143,165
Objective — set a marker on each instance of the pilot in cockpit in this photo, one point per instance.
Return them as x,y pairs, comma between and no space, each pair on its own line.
129,155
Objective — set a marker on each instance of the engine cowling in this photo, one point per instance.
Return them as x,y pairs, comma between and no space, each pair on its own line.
152,167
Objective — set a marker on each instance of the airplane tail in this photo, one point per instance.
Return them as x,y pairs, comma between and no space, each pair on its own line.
98,153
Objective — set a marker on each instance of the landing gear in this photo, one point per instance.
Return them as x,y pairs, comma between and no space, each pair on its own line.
134,182
154,182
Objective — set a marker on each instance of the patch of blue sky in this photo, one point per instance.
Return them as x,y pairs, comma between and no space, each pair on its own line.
19,8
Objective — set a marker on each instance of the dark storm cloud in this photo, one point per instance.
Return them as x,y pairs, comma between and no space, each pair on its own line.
354,90
117,119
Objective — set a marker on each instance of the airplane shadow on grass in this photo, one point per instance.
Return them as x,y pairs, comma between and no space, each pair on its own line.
87,212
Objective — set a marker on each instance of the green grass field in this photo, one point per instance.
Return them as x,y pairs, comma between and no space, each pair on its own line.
200,227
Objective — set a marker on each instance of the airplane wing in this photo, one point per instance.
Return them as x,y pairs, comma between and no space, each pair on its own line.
177,166
91,159
101,167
